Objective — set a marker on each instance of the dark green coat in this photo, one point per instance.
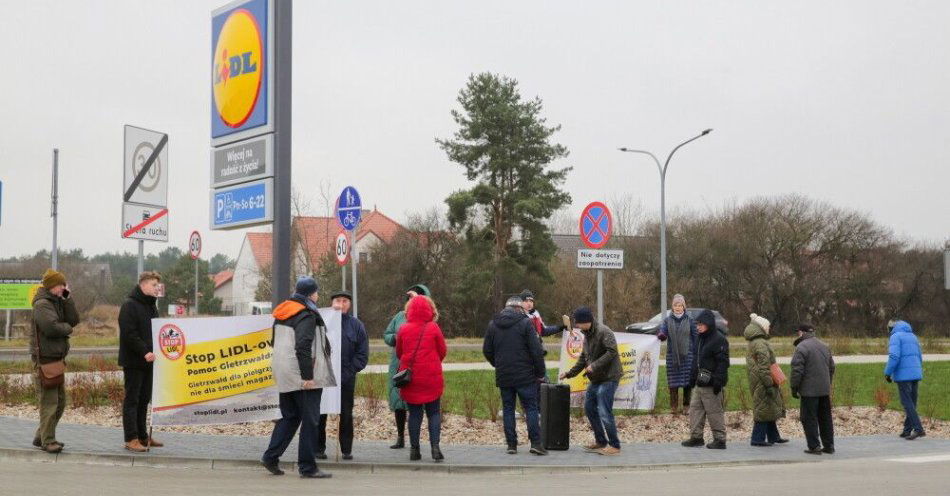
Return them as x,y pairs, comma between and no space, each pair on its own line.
389,336
53,321
767,402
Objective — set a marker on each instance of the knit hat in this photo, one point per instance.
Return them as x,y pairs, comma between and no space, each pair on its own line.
307,286
343,294
761,321
678,298
805,328
514,301
527,295
583,315
52,278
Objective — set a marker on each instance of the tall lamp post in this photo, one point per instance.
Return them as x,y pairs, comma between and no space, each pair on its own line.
662,169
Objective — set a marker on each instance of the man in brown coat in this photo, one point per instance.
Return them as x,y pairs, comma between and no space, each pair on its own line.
54,316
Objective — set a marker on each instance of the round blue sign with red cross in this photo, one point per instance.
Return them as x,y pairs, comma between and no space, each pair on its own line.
596,225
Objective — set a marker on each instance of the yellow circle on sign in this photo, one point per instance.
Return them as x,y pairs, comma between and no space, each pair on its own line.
238,68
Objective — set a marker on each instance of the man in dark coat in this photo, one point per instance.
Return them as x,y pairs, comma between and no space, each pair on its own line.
513,348
354,355
54,316
600,362
300,408
813,369
136,357
710,375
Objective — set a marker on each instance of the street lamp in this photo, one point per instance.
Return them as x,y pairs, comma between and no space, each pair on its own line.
662,169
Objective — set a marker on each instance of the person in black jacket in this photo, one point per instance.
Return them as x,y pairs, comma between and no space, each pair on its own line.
136,357
709,376
513,348
354,355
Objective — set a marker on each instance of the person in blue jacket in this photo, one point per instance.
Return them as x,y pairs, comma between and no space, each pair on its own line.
354,355
905,367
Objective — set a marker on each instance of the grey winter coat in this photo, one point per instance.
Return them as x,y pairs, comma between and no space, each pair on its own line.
813,367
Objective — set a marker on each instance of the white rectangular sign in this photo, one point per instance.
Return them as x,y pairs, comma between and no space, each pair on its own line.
152,187
144,222
599,259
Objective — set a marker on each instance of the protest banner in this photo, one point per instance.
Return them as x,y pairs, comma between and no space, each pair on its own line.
217,370
639,356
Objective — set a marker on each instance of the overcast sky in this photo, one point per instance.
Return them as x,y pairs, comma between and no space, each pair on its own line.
841,101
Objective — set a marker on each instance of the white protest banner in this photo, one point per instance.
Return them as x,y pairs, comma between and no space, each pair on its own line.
217,370
639,356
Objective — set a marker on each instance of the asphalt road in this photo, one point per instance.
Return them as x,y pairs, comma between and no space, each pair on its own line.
918,476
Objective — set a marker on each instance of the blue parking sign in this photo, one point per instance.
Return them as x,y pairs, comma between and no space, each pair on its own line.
349,208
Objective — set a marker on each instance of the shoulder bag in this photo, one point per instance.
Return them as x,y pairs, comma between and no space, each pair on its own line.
778,377
402,378
53,374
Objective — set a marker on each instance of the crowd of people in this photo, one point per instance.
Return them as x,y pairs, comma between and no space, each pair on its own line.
697,365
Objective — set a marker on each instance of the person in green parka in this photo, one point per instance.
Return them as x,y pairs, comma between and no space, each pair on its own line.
768,405
396,404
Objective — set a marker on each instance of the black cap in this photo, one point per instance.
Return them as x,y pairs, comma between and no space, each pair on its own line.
527,295
343,293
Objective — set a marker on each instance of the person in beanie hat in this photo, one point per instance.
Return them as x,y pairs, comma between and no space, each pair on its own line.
600,362
396,404
679,330
354,355
813,369
768,405
709,377
136,359
527,302
301,407
54,316
905,367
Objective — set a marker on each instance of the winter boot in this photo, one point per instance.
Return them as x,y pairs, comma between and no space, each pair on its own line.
693,442
437,453
400,442
674,401
720,444
414,454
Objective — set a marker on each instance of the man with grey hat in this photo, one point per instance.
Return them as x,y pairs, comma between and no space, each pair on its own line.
354,355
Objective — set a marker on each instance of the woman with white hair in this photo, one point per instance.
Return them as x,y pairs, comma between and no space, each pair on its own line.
679,331
768,405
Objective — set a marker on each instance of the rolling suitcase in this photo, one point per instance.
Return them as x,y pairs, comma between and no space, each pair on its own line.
555,416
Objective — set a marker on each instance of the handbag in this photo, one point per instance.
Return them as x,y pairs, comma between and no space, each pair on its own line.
778,377
704,378
402,378
53,374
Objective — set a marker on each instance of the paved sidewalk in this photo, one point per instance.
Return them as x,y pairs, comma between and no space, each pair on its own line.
103,445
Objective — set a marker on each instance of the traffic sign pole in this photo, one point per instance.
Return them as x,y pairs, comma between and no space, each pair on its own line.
354,255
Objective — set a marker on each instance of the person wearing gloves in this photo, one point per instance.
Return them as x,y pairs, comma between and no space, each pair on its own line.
600,362
905,367
813,369
679,332
709,376
767,403
303,376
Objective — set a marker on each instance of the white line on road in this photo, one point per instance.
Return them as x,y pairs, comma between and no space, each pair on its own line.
922,459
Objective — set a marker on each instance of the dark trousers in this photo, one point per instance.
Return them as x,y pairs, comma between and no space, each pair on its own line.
138,394
816,421
765,432
297,409
345,434
908,392
433,412
528,395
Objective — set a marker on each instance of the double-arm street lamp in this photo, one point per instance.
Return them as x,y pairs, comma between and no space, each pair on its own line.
662,169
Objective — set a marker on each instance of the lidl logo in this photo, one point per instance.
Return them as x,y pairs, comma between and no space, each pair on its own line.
239,60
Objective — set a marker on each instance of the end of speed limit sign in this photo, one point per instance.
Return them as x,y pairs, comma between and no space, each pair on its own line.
194,245
342,248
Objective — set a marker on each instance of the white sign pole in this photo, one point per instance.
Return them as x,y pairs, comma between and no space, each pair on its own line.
141,256
600,296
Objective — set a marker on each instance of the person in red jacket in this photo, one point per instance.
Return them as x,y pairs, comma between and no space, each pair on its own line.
420,347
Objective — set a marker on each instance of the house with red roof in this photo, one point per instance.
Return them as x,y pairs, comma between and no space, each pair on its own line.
314,239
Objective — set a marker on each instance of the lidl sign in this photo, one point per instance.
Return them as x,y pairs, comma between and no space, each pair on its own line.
241,61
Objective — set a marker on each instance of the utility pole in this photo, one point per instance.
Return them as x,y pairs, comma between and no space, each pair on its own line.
55,207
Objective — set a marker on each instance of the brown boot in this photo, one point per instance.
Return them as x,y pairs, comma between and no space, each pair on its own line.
674,401
135,446
155,443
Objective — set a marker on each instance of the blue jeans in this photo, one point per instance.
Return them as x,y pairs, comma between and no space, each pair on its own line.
598,405
908,391
765,431
433,411
529,401
297,409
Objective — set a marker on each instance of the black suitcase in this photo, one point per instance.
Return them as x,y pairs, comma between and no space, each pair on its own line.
555,416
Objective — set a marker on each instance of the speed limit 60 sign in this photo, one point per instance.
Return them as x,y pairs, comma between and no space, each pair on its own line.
342,248
194,245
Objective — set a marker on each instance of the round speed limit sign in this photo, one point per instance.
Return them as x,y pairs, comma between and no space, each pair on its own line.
342,248
194,245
